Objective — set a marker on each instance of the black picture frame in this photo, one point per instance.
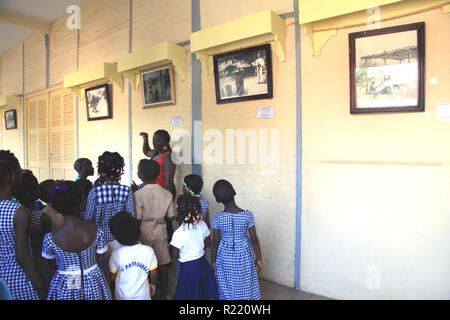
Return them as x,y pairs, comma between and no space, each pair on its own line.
98,102
11,119
158,86
387,69
244,74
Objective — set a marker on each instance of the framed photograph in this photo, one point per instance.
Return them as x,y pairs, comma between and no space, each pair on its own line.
98,103
158,87
244,74
387,69
11,119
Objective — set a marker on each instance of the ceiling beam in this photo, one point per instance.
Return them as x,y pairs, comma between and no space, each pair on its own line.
21,21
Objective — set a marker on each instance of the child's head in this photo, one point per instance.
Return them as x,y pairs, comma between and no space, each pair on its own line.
125,228
44,189
223,191
148,170
110,166
161,140
189,210
193,184
84,167
9,169
67,198
27,192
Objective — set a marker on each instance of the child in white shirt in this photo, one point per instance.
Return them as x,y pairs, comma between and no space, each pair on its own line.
195,280
131,263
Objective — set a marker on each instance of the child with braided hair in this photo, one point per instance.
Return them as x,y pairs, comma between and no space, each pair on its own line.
195,280
192,185
109,197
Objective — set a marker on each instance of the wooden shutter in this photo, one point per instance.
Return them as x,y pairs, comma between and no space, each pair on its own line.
37,136
62,135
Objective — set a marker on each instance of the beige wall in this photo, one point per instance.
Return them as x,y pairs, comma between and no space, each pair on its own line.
375,219
373,186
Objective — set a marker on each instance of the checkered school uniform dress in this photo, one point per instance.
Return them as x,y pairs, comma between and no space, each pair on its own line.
104,202
235,267
43,267
10,271
67,283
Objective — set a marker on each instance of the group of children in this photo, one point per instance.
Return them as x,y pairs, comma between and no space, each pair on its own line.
106,240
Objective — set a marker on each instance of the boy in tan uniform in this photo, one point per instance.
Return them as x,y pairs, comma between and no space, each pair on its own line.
153,205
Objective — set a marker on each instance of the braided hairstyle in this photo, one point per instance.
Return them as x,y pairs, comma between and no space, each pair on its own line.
193,184
110,166
27,192
44,189
8,165
189,211
66,196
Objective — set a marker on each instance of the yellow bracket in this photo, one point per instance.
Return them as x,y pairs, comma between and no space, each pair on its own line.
78,81
321,22
166,52
10,101
263,27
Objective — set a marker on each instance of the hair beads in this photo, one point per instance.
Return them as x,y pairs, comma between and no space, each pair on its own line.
189,211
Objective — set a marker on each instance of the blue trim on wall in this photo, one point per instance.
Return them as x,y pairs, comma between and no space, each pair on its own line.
298,226
196,139
130,101
77,101
24,141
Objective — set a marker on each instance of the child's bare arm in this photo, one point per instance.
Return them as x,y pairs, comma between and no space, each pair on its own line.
215,246
153,281
207,241
175,252
256,247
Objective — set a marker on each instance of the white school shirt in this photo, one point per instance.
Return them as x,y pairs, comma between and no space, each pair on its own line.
190,241
133,265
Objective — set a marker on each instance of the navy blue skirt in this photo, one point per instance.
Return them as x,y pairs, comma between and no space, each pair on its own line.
196,281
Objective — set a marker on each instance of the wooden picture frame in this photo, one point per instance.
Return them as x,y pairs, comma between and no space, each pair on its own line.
98,102
387,69
244,74
158,86
11,119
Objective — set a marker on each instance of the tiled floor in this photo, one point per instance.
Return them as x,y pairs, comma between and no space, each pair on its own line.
269,291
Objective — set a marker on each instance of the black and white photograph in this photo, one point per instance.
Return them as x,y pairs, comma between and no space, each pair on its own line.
10,119
98,104
244,74
158,86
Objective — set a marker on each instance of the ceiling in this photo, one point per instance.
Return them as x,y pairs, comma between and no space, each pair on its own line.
43,10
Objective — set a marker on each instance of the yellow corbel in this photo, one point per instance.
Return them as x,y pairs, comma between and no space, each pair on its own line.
79,92
114,76
10,101
318,39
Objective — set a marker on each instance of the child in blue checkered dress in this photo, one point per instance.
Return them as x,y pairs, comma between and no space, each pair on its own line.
231,250
77,248
16,265
109,197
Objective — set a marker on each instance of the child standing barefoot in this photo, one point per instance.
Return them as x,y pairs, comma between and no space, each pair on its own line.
76,247
195,280
231,252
